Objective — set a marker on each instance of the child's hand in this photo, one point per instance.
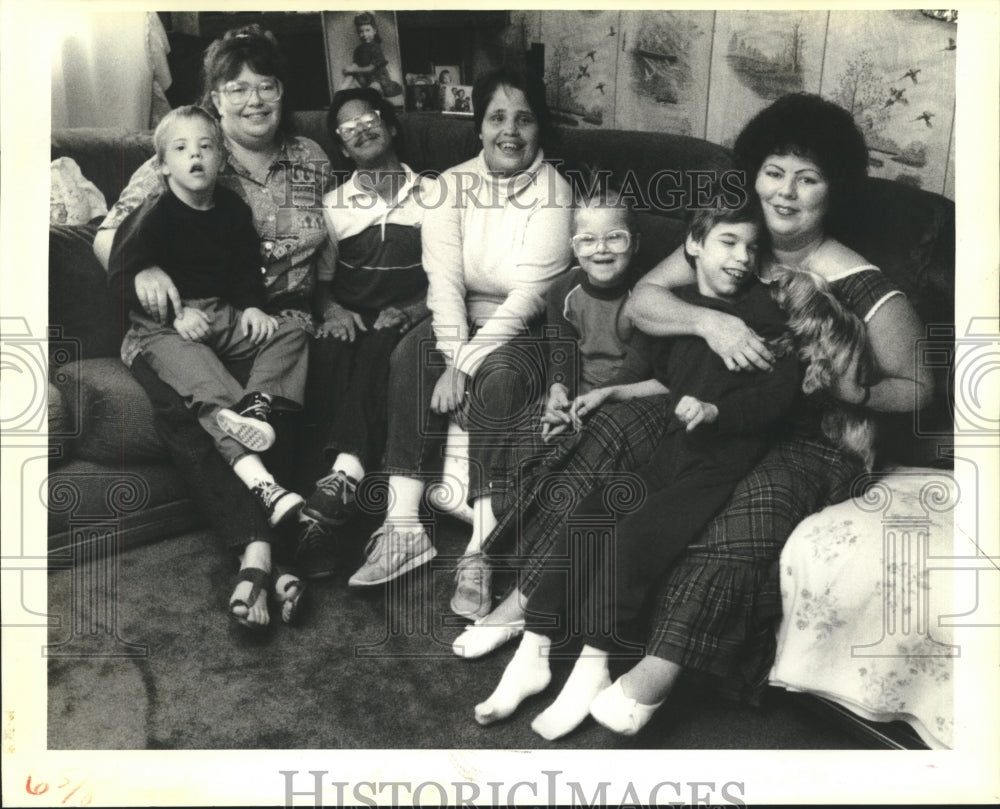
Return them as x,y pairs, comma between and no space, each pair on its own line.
341,323
693,412
587,403
258,326
556,418
192,324
390,317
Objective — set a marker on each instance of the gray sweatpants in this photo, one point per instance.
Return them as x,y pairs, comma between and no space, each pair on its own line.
197,370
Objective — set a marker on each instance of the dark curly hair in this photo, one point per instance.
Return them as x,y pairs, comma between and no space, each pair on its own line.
528,83
251,46
376,101
808,126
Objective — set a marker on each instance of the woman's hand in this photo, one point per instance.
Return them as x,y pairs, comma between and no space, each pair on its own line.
192,324
556,418
389,318
692,412
587,403
848,387
735,342
155,290
341,323
449,392
258,326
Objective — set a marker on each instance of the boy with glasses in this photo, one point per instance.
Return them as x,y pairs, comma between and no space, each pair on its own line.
585,308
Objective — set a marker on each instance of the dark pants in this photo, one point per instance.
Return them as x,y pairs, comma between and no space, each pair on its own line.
498,405
347,392
622,537
224,500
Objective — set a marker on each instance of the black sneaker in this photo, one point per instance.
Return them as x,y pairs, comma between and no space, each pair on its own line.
334,501
277,501
314,556
247,422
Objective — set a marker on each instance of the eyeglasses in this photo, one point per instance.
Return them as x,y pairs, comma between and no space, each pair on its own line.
365,121
586,244
238,92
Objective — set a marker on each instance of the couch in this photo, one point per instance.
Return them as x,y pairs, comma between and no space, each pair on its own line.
108,466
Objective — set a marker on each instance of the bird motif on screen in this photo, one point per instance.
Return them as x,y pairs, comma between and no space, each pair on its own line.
925,117
912,74
897,97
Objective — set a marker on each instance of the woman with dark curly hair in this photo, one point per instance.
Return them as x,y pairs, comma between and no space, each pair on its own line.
720,600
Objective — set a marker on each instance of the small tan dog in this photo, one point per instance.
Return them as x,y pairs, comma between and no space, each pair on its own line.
831,343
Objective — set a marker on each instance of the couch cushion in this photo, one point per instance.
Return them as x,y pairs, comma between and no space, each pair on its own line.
79,303
115,415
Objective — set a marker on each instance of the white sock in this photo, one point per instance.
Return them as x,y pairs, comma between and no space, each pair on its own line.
250,469
404,500
526,674
350,465
483,523
589,677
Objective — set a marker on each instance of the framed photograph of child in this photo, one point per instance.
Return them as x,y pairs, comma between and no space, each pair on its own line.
421,97
362,50
447,74
455,99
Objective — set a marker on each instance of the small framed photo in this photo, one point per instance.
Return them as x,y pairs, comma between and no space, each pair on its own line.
421,97
362,50
447,74
455,98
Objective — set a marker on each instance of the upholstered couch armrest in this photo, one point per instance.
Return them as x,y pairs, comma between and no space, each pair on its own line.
106,414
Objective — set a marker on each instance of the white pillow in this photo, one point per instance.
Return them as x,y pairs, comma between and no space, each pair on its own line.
73,199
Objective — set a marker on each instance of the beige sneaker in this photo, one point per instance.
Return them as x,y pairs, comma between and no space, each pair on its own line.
391,553
473,586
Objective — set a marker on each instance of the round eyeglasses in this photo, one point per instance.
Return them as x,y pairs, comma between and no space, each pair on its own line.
365,121
238,92
616,241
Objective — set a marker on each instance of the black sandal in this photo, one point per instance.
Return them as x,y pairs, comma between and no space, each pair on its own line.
259,579
297,587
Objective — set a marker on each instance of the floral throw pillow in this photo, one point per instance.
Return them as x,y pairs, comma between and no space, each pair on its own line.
73,199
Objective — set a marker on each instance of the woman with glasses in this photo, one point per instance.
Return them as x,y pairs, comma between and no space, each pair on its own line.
495,236
243,84
371,294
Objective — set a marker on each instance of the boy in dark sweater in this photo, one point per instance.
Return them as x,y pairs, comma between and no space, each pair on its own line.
202,235
723,422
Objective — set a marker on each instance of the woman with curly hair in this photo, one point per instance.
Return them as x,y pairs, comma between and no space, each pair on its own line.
720,601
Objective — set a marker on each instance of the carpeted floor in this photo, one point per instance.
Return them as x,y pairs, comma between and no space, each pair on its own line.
346,677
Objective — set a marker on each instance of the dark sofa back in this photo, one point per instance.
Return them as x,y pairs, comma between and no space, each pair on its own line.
908,232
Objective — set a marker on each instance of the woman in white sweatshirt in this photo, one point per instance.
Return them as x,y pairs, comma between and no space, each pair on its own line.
495,237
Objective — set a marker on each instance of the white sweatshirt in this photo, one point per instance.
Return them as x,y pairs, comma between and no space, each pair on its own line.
492,246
